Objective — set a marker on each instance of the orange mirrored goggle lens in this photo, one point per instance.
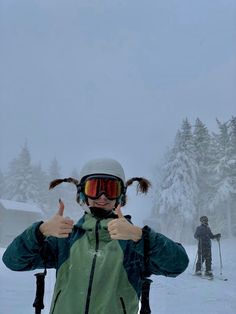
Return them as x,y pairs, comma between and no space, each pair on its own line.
95,187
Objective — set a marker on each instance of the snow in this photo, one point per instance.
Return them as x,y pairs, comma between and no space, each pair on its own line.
190,294
21,206
184,294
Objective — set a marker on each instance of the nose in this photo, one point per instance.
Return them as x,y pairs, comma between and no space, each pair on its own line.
102,196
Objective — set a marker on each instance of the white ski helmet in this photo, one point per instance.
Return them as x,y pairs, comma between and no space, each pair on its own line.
106,166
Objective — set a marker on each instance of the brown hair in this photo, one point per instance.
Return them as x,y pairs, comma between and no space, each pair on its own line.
59,181
143,184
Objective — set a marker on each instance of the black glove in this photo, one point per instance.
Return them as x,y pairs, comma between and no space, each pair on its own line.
218,236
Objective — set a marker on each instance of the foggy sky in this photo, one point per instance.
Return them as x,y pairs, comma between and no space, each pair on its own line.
83,79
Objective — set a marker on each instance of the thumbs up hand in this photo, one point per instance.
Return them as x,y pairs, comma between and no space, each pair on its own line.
58,226
121,229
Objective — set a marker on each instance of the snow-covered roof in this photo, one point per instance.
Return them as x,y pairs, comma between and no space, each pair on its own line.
21,206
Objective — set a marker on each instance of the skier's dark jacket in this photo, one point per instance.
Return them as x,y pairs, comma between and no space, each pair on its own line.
204,235
96,274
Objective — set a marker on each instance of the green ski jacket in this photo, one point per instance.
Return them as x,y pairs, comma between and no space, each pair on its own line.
95,274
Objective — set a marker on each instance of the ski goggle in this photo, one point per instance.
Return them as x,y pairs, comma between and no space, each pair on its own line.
94,187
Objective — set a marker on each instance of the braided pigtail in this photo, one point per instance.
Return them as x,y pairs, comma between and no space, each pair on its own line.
143,184
59,181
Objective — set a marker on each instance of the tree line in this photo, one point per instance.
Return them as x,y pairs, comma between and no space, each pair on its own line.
28,182
197,177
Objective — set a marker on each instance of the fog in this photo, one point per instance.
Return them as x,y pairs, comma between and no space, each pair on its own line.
85,79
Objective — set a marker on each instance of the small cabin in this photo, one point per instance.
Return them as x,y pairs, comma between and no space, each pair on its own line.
15,217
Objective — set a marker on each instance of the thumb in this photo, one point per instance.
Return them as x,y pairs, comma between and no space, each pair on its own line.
61,208
118,211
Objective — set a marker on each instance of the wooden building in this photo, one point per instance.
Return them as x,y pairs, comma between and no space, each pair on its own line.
15,217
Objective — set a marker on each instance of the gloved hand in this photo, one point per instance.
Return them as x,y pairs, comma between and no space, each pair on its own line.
218,236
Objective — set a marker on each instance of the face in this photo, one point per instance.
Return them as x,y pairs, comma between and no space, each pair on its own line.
102,202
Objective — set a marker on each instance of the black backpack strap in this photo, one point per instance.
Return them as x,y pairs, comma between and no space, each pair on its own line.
145,306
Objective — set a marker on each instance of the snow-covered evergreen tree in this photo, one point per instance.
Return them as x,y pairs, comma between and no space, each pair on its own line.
232,151
19,179
41,183
224,180
232,200
177,204
205,159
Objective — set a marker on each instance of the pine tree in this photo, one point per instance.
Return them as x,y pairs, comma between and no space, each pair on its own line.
223,180
40,180
19,179
231,216
232,151
205,159
177,203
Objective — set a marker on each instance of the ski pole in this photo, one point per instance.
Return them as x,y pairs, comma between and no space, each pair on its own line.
145,306
38,302
195,261
200,242
221,265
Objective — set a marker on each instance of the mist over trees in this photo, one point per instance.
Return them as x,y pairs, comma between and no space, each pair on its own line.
28,182
198,177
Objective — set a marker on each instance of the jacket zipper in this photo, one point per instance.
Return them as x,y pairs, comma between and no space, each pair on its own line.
92,268
123,305
56,301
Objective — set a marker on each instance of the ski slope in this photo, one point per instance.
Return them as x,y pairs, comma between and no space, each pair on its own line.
182,295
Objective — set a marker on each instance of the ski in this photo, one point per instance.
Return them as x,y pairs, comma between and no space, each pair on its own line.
222,278
211,278
204,277
207,277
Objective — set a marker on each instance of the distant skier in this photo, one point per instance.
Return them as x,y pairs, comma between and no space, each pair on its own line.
204,235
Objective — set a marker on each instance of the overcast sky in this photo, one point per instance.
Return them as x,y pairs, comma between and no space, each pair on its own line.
92,78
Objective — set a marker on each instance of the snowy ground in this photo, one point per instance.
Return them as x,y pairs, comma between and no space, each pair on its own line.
184,294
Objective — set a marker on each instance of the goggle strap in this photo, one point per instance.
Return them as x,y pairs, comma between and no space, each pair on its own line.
120,200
